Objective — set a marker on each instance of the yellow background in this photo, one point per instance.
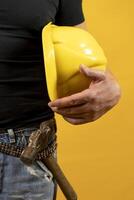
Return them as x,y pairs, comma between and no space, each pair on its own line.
98,158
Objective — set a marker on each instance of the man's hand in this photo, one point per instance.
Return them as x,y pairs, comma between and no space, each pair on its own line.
90,104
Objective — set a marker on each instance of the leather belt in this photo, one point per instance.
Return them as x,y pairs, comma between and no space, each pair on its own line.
13,150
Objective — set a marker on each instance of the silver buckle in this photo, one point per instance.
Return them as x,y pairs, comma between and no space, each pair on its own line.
11,135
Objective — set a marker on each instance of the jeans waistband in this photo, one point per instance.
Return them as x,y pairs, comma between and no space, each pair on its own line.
18,130
20,136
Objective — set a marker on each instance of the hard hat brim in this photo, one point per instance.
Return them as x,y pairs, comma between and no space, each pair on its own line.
50,62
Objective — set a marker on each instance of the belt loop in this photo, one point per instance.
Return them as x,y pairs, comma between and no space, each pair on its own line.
11,135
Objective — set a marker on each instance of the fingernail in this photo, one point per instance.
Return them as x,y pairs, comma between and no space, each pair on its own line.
54,109
50,104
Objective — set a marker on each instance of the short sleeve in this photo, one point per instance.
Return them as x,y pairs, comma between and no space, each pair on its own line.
69,13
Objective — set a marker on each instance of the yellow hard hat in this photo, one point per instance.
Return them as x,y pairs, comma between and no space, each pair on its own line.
65,48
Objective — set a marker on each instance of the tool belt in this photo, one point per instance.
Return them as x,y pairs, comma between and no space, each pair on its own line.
49,149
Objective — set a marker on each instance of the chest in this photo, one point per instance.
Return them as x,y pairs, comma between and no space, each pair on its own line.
28,14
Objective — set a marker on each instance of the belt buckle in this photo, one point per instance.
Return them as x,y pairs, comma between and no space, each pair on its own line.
11,136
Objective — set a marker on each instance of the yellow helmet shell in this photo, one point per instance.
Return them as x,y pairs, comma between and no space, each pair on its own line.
65,48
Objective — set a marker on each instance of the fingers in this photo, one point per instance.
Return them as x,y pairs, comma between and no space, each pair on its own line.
92,73
85,119
81,97
74,110
73,100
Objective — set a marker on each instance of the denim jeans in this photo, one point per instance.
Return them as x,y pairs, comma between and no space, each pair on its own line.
21,182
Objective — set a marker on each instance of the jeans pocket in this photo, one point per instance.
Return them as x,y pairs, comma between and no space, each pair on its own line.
39,170
47,173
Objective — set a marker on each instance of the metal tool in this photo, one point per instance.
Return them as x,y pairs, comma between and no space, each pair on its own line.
38,141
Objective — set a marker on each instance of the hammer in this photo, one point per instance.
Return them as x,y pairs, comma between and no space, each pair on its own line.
38,141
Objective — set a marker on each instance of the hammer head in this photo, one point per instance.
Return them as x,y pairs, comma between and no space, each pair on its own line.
38,141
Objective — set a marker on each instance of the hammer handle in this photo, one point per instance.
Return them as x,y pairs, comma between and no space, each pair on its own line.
62,181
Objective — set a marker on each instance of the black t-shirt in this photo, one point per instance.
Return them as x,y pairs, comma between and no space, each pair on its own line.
23,92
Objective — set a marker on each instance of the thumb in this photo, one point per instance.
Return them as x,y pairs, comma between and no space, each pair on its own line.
94,74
